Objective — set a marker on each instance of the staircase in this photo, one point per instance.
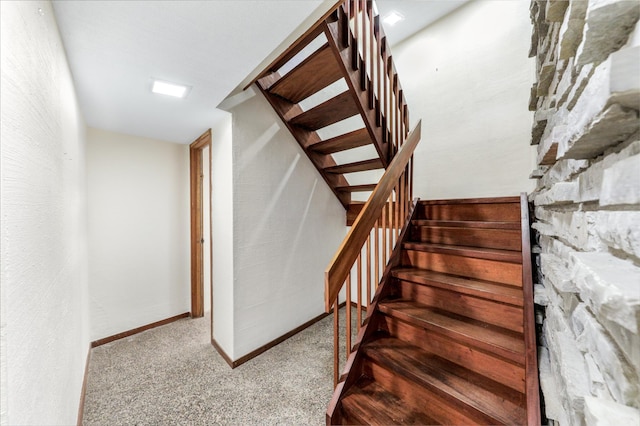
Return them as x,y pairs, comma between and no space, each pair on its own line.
337,92
448,340
449,335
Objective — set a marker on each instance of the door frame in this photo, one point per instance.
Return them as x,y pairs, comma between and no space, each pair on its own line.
196,178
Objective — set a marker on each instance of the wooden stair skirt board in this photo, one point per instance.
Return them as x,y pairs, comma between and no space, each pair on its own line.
450,339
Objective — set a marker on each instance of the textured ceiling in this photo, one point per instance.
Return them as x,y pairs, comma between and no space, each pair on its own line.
116,48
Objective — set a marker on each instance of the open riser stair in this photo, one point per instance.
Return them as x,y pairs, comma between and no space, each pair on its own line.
337,91
448,339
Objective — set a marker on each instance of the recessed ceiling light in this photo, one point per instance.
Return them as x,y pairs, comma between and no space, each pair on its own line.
170,89
393,18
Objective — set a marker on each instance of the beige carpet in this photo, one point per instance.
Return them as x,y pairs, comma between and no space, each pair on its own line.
171,375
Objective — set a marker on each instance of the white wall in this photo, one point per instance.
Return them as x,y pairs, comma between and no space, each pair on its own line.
222,229
44,337
287,224
138,214
468,78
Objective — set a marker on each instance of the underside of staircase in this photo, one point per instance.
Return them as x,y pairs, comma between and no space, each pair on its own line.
448,338
323,91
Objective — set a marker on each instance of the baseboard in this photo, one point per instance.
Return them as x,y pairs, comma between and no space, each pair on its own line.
83,391
353,305
275,342
222,353
137,330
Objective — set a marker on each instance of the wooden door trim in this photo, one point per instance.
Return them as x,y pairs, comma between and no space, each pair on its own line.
196,191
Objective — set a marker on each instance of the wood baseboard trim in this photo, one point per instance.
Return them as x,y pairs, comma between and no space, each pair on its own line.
124,334
83,391
275,342
222,353
353,305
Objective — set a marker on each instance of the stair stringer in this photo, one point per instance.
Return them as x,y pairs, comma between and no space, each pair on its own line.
305,139
362,95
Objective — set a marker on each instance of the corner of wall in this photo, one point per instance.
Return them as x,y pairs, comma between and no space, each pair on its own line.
222,229
286,226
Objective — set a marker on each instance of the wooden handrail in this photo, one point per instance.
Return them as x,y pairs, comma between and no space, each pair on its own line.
338,270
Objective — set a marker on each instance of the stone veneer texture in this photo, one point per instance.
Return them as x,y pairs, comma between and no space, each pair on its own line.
587,208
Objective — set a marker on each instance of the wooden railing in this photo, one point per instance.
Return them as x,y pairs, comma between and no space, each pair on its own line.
369,244
359,28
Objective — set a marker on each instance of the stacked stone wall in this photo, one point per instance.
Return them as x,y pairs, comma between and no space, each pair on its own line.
587,208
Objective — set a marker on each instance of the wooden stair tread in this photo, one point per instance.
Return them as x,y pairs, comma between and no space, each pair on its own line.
358,166
368,403
467,251
313,74
329,112
488,200
449,380
357,188
473,287
344,142
502,342
466,224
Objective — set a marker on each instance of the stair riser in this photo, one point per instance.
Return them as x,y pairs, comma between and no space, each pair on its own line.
440,409
490,270
495,292
501,315
486,238
491,212
493,367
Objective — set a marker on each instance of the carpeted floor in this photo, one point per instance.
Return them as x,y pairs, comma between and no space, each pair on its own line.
172,375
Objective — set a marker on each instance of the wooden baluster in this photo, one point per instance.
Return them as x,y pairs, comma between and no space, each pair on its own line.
402,200
407,196
396,118
363,31
400,115
411,178
387,121
401,106
368,266
336,342
396,215
379,69
390,216
384,236
376,242
406,120
348,307
359,292
344,15
355,56
371,55
363,44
